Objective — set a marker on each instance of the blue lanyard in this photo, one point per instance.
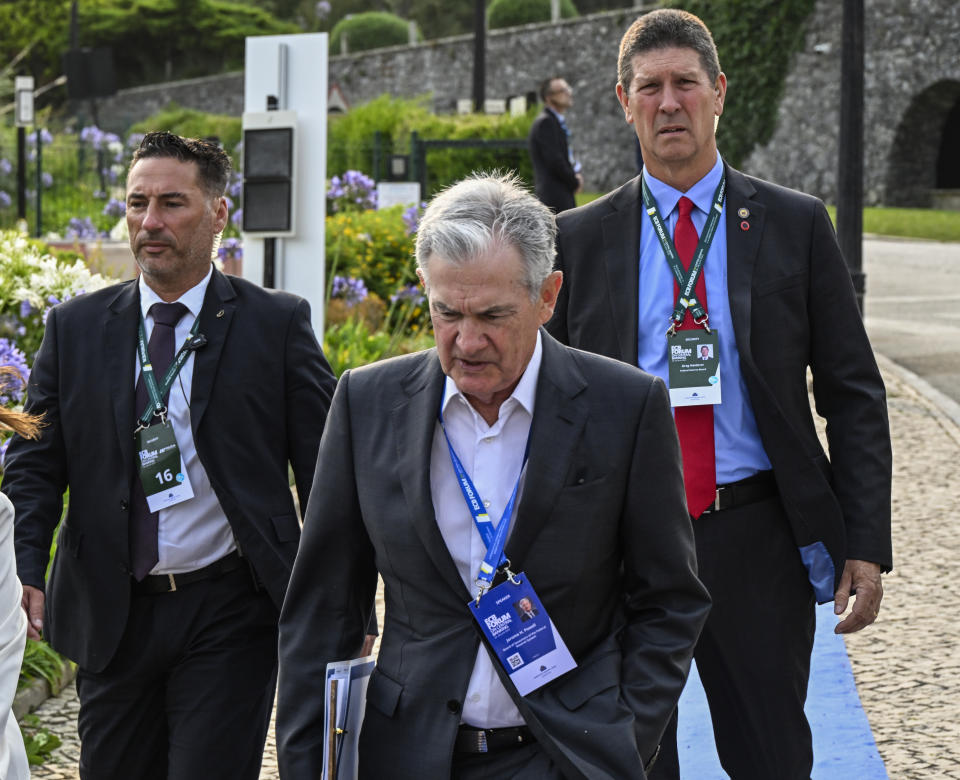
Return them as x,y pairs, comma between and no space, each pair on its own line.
494,538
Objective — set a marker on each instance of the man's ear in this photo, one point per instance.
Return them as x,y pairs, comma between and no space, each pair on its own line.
624,97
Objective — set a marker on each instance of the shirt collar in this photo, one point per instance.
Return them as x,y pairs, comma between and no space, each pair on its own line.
192,298
556,113
700,193
523,394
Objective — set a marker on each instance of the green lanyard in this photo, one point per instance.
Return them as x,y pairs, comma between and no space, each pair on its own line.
686,281
155,391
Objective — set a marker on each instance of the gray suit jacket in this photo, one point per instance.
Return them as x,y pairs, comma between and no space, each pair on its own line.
793,307
601,531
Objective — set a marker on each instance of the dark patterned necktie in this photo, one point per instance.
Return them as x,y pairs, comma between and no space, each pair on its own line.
694,423
143,522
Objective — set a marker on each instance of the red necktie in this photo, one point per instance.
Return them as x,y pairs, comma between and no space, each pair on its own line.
694,423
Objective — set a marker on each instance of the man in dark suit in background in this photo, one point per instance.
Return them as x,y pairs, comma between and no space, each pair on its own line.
582,447
777,299
556,172
171,614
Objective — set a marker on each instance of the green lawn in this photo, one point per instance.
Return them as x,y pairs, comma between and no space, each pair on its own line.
907,223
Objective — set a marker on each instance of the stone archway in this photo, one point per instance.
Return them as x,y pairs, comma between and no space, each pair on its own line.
924,156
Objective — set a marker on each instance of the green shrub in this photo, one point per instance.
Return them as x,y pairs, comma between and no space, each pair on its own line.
191,123
350,139
373,246
371,30
756,65
510,13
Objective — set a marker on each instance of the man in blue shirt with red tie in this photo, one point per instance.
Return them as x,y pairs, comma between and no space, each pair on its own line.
693,253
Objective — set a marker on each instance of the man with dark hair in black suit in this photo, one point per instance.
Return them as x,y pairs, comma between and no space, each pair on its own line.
556,172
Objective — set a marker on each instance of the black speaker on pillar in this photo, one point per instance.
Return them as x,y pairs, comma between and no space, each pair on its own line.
90,73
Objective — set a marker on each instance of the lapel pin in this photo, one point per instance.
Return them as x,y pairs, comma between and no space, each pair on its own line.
744,225
220,313
743,213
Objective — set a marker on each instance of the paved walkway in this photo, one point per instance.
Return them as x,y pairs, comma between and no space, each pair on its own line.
907,665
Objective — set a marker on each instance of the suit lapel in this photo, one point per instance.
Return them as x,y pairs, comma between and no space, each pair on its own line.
414,422
119,339
621,253
216,315
742,252
558,418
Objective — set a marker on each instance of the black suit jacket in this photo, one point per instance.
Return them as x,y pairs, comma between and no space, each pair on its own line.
601,530
261,389
793,307
555,181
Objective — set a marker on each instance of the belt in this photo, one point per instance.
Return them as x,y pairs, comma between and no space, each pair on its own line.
472,740
745,491
166,583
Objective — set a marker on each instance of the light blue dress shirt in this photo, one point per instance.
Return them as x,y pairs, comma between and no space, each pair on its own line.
739,450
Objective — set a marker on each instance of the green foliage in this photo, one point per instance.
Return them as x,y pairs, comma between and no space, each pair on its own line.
373,246
39,741
350,139
191,123
371,30
40,661
510,13
756,41
353,343
154,40
39,27
933,224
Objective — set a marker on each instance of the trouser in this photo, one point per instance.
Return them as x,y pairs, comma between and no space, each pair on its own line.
189,693
753,655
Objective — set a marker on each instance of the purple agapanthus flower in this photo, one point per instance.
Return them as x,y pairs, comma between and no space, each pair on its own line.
412,294
6,168
47,179
115,208
5,200
230,249
12,387
237,218
26,309
351,290
81,229
354,188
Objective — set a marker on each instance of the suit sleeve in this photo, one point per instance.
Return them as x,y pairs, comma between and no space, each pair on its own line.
330,597
309,387
849,393
666,604
35,471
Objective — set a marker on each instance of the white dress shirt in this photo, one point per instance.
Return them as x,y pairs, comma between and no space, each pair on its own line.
194,532
493,457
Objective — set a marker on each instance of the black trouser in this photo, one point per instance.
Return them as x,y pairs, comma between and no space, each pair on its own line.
753,655
188,695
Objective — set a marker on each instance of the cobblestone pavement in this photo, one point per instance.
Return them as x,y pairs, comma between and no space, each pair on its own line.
907,665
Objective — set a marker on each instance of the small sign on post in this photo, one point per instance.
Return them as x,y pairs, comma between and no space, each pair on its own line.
23,113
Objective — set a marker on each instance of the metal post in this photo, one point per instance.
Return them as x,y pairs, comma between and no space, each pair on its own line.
850,169
22,174
479,55
39,233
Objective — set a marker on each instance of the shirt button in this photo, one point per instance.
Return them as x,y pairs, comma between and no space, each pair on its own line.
475,697
486,504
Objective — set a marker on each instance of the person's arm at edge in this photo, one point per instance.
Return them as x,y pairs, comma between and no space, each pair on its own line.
330,597
665,601
35,479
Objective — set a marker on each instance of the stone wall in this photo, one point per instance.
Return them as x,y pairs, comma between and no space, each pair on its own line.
912,79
